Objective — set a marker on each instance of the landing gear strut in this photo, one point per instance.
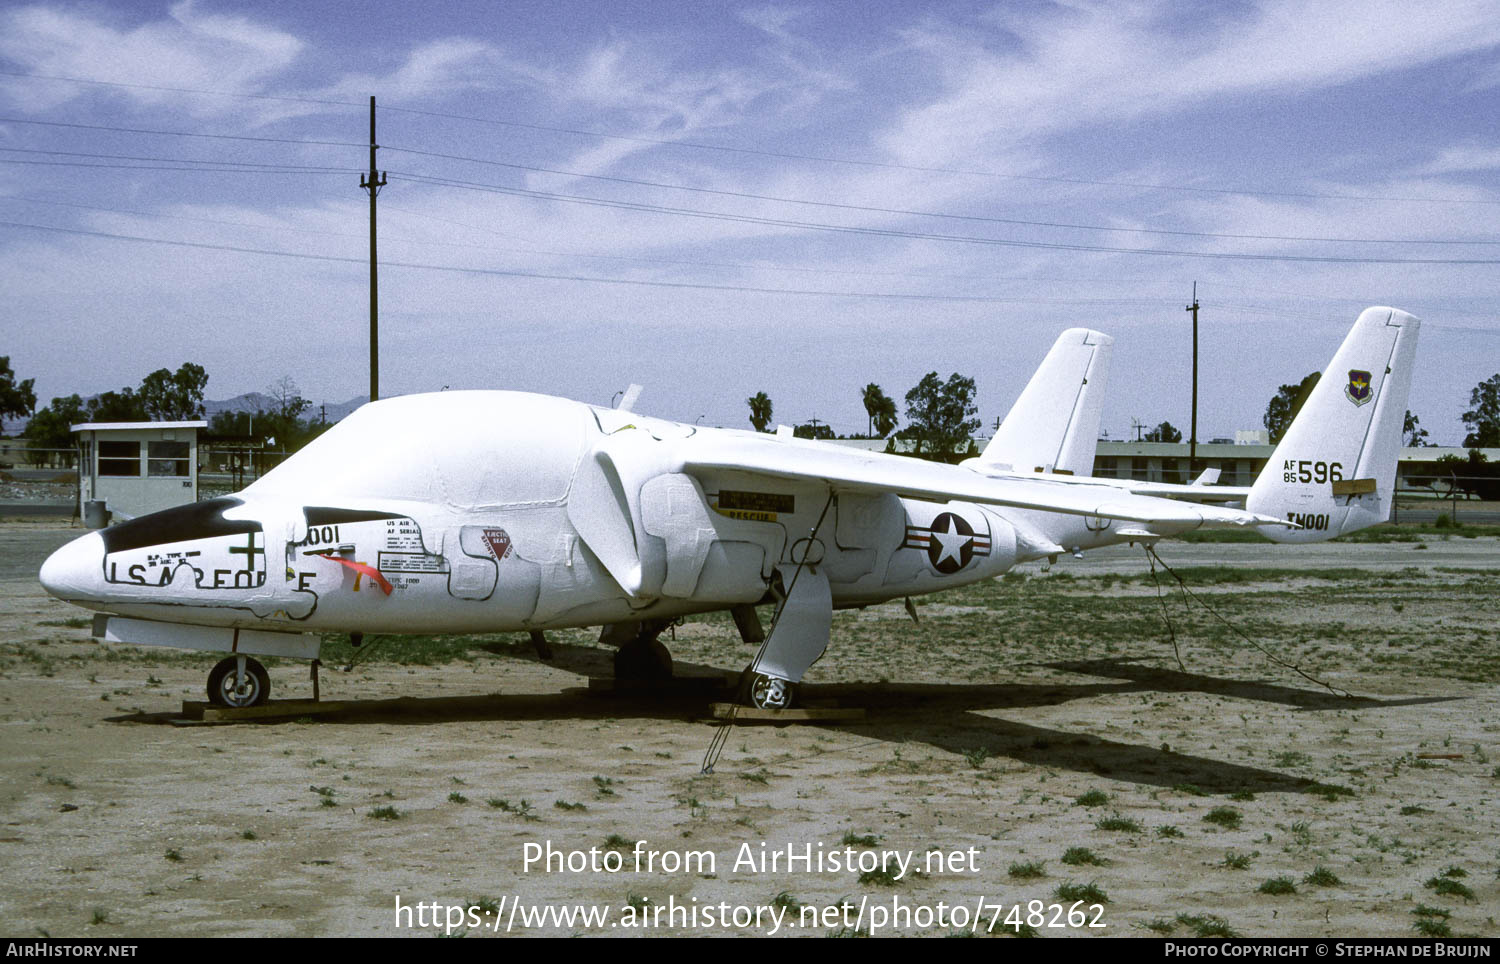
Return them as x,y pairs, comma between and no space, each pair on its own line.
238,681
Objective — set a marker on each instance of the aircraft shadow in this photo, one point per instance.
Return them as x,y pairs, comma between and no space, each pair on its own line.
972,733
1159,679
942,715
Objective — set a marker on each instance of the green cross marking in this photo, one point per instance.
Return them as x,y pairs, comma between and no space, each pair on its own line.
250,549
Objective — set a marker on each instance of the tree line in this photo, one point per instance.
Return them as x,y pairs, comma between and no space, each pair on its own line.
162,396
940,417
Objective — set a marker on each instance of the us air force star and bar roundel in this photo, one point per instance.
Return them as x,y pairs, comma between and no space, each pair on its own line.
950,542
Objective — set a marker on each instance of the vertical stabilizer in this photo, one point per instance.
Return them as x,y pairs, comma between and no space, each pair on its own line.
1054,425
1335,469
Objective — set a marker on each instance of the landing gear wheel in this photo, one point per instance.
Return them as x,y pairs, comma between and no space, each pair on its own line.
767,692
643,661
225,689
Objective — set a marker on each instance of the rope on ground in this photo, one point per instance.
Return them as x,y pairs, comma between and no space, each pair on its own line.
1267,653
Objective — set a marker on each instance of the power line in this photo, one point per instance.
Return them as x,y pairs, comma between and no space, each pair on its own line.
499,272
162,133
239,249
757,267
785,155
260,168
697,190
916,213
695,145
221,221
180,90
1360,302
168,160
917,235
246,168
679,262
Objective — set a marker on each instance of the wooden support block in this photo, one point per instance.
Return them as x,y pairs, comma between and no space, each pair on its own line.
194,710
269,710
675,685
809,714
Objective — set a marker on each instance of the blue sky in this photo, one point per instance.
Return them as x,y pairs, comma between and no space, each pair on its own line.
715,199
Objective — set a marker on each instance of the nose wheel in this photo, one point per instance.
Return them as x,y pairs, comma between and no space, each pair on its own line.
767,692
238,681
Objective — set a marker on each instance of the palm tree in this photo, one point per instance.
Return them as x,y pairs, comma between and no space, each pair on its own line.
760,411
871,397
881,409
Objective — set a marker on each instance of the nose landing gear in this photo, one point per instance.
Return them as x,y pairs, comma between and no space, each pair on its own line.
766,692
238,681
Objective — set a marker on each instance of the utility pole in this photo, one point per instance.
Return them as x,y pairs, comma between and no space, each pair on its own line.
1193,429
373,182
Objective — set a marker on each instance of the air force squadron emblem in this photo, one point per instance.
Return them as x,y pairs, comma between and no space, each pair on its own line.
950,542
1358,389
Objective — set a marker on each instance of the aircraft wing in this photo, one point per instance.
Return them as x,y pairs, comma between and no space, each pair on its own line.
852,470
1197,491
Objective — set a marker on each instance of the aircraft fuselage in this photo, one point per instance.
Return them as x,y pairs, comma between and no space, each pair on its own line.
493,511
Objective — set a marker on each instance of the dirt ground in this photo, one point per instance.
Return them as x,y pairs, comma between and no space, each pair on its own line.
1021,722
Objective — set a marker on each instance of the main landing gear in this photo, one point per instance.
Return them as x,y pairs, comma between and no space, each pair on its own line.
642,656
798,638
238,681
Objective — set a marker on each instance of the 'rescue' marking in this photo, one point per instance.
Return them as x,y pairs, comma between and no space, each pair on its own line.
753,506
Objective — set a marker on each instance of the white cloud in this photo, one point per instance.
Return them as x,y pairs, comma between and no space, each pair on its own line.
186,49
1463,159
439,67
993,92
1112,64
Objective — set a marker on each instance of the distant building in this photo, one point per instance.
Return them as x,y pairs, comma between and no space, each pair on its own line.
1240,463
1168,461
137,467
13,451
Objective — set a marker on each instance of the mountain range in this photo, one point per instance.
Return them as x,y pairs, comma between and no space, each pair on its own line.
260,401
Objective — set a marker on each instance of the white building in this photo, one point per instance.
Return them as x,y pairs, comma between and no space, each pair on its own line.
137,467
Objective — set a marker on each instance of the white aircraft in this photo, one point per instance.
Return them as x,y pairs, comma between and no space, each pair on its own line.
492,511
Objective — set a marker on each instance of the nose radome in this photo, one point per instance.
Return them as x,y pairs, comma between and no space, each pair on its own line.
76,570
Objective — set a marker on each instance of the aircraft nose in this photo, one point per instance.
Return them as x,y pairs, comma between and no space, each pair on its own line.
75,571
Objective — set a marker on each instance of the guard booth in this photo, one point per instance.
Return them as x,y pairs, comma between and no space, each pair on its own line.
137,467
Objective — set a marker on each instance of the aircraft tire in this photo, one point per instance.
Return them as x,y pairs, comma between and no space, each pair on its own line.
643,661
221,683
767,692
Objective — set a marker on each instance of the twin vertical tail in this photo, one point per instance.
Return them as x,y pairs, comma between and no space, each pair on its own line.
1335,469
1054,425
